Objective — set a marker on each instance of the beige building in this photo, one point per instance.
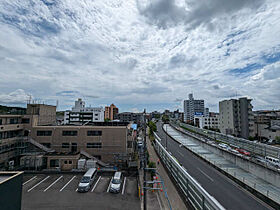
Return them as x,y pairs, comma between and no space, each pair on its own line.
102,142
111,112
236,117
38,128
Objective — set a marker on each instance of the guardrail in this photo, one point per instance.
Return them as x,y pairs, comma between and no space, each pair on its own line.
195,194
253,147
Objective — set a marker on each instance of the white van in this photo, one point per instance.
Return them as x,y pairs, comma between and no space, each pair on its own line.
273,161
116,182
87,180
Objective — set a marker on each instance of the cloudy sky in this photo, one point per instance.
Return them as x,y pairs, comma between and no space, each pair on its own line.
139,53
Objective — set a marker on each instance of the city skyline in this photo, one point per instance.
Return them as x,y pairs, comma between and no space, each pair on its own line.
138,55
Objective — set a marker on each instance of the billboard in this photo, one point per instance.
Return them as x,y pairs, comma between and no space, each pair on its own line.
198,113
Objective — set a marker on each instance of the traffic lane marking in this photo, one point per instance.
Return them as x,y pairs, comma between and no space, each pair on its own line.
205,174
96,184
53,183
67,183
123,185
38,184
34,177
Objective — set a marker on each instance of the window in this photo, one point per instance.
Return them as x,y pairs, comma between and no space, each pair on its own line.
25,120
0,121
54,163
70,161
13,121
94,133
96,115
44,133
65,145
69,133
65,161
94,145
47,145
129,144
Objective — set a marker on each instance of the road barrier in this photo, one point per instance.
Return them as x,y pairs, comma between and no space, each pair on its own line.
192,190
253,147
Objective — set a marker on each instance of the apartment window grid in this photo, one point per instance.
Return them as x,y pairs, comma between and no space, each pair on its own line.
44,133
69,133
94,133
95,145
65,145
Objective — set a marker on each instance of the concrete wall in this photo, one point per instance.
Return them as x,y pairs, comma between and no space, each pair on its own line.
11,191
269,175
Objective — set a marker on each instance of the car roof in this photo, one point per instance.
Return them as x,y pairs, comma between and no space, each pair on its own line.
118,175
90,172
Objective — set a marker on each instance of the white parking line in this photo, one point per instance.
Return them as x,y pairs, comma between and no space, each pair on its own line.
34,177
38,184
76,189
67,183
123,185
53,183
109,185
96,184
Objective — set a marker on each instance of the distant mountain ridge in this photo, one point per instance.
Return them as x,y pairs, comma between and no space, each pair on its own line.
12,110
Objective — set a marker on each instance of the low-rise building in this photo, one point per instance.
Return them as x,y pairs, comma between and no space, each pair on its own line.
101,140
137,118
207,122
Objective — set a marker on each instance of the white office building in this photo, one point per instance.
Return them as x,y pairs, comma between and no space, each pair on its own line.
192,107
210,122
81,114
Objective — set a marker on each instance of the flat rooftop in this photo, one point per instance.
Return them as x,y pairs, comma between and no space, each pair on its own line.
6,175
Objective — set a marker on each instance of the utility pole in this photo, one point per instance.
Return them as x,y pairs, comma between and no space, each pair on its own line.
145,162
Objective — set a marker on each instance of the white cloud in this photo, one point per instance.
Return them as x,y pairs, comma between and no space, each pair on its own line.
130,52
18,96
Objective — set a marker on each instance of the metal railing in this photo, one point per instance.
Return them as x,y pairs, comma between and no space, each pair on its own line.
253,147
192,190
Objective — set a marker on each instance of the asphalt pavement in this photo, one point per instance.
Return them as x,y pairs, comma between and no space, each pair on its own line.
227,192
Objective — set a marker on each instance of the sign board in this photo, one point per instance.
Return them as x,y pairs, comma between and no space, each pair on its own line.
198,113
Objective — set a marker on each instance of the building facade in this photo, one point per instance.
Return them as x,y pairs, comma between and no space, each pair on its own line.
15,129
191,107
207,122
22,136
236,117
111,112
81,114
137,118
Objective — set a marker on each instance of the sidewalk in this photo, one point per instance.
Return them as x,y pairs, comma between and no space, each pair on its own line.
172,193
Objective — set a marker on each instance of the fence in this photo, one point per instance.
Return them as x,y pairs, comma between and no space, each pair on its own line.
193,191
253,147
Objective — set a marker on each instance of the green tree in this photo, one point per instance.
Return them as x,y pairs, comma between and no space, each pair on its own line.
277,139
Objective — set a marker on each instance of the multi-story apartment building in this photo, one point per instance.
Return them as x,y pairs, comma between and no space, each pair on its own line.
266,124
81,114
61,145
210,122
137,118
236,117
111,112
191,107
100,140
15,129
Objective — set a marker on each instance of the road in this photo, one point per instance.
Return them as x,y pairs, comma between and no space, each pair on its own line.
227,192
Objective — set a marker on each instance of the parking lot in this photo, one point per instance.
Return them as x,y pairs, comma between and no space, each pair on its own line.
59,191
